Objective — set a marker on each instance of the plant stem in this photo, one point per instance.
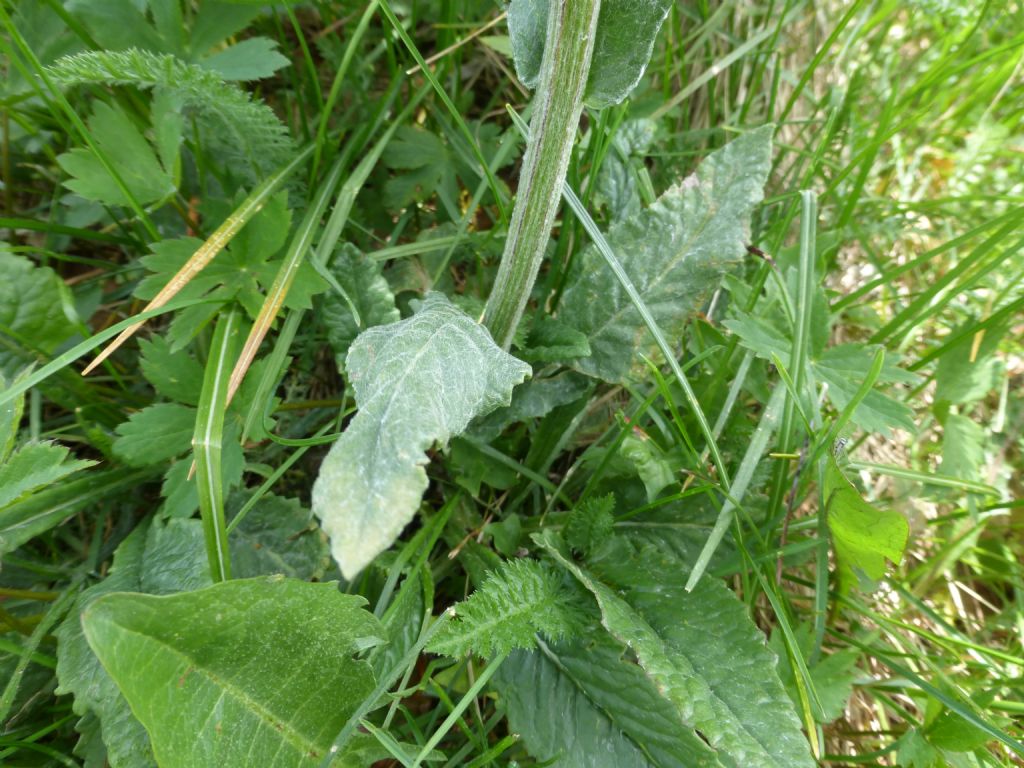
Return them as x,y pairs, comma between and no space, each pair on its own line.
571,30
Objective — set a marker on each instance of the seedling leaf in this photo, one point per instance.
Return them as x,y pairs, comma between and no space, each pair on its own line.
864,536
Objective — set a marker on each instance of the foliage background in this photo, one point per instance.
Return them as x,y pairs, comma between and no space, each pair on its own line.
903,117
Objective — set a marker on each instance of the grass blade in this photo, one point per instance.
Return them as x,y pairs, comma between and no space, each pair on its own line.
207,444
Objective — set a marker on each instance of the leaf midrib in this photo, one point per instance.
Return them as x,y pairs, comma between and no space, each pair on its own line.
289,734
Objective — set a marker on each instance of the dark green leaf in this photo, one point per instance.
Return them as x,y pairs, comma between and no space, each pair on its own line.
588,706
703,653
361,279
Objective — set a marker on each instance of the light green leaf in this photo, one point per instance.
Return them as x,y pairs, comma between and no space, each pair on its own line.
127,151
175,375
626,30
417,382
196,669
703,653
155,434
963,448
362,281
515,602
590,707
32,310
652,466
863,535
252,59
34,466
877,412
968,370
675,252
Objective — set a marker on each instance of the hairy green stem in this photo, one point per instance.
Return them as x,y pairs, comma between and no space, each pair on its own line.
571,30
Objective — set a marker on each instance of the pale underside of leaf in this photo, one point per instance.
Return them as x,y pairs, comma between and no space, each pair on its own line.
417,382
675,252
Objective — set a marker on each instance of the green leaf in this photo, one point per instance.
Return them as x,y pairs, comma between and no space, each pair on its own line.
26,518
417,382
155,434
361,279
235,128
181,497
252,59
590,524
916,752
175,375
551,341
626,30
33,466
130,155
589,706
703,653
175,558
515,602
863,535
653,468
425,160
278,535
963,448
535,398
10,419
33,310
675,252
877,412
833,674
197,671
968,370
80,672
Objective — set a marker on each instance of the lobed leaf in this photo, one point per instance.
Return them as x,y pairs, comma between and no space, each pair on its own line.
33,466
515,602
864,536
417,382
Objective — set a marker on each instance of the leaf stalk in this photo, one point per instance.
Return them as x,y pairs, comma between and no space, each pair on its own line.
571,30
